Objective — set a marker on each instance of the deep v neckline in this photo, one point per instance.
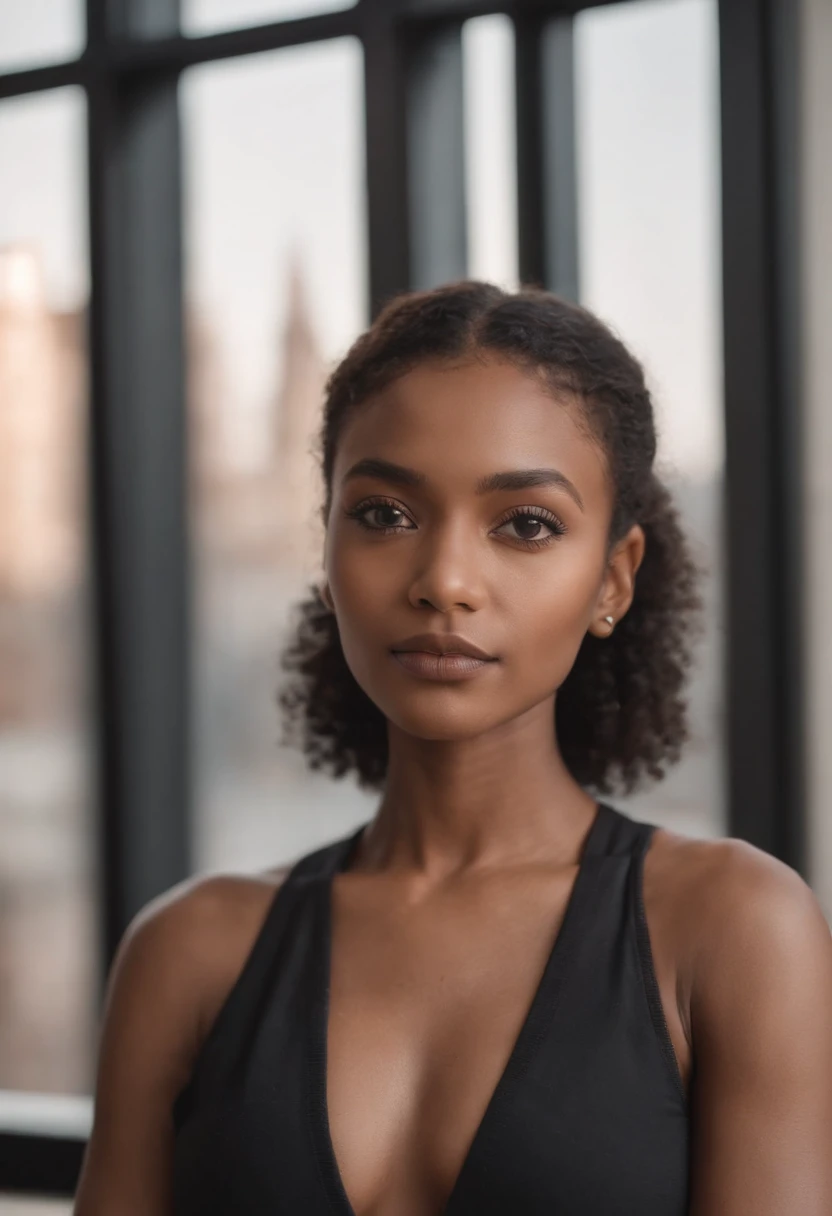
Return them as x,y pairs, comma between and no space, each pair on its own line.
537,1019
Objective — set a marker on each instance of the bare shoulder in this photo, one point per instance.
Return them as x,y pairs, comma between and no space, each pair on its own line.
172,971
728,877
195,939
734,912
752,962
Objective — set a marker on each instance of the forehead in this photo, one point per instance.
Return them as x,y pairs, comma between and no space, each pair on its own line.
456,422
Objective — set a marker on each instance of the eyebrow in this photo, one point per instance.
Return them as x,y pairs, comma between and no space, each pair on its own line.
512,479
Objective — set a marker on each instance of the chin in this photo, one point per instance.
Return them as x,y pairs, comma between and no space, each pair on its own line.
441,723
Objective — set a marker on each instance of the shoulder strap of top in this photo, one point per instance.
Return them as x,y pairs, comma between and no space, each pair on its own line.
616,834
231,1027
324,862
639,836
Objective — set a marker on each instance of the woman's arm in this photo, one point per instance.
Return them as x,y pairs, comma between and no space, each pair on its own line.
761,1016
167,976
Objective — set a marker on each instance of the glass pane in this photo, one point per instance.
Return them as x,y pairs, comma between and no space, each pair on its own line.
276,289
40,31
490,149
207,16
35,1207
648,174
47,955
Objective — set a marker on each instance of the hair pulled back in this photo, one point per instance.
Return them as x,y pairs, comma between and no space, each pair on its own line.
620,715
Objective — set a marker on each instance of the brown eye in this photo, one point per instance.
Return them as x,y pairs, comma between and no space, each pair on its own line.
384,516
380,516
532,527
527,527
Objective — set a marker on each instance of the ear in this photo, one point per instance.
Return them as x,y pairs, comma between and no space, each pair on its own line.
326,595
619,584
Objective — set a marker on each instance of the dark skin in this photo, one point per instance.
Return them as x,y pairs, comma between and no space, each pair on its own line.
443,923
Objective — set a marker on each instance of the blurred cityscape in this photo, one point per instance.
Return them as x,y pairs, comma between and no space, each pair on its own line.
256,540
255,533
46,925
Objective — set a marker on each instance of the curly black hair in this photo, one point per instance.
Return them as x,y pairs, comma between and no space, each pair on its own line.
620,715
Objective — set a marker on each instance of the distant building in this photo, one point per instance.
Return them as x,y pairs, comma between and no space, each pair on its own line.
266,513
207,404
299,404
42,394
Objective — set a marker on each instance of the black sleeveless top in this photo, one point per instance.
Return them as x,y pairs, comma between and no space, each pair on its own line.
588,1119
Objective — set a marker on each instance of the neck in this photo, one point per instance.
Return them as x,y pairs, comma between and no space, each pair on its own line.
504,797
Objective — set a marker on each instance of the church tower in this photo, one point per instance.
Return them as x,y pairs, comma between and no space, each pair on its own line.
298,417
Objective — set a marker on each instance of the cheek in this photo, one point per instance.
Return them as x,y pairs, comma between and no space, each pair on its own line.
364,586
548,655
551,612
564,576
364,578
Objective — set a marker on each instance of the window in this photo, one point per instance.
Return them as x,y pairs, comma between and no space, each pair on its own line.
206,16
34,1207
490,152
648,157
47,926
276,292
39,31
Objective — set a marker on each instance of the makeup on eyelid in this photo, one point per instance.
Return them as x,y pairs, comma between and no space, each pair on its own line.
542,517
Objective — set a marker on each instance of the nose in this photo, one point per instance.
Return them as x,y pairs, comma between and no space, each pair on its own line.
449,573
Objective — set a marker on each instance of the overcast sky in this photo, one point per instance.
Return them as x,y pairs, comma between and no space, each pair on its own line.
274,169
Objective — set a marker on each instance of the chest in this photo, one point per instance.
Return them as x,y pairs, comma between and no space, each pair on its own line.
426,1006
491,1054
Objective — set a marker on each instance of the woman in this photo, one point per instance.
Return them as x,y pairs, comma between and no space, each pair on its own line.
501,995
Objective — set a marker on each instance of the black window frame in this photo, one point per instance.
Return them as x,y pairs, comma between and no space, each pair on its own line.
129,71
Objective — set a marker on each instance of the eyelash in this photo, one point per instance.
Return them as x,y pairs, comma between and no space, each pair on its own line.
359,512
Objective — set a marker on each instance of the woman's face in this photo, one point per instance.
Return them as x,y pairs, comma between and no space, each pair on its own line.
424,538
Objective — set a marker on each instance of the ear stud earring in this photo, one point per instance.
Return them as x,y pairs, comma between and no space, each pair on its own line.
609,620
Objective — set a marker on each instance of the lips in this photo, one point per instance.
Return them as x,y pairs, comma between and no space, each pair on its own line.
442,644
440,666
